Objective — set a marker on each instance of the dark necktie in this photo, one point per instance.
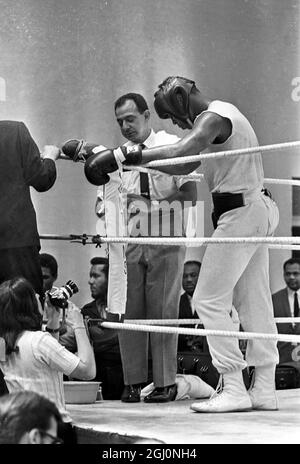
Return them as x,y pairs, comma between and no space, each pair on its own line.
144,181
296,305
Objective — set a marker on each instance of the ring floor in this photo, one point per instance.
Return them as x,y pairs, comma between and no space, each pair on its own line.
114,422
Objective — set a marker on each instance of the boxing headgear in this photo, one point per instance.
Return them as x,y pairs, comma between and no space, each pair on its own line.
172,98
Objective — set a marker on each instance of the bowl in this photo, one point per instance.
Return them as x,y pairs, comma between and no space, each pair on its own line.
81,392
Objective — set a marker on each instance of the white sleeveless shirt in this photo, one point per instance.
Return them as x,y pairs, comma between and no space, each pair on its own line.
235,174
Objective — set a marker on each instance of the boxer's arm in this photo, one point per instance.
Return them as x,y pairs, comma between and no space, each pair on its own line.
207,128
186,193
182,169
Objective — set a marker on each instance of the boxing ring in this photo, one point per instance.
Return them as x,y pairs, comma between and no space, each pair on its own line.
114,422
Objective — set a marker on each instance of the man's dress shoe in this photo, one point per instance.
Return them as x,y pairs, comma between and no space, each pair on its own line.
131,394
162,394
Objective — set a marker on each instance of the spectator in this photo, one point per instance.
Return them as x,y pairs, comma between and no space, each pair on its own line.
28,418
286,304
49,270
34,360
21,167
105,341
187,311
153,273
189,280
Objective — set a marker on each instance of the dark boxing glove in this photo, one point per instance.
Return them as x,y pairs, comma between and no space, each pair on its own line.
80,150
99,165
129,155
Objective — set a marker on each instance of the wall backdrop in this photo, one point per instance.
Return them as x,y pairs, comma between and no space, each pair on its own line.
65,62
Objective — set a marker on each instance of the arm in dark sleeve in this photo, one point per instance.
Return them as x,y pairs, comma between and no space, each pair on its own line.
99,335
38,173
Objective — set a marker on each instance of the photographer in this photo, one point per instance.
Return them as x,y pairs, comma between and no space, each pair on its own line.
35,360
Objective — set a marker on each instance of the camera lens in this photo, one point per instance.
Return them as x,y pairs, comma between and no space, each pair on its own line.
59,297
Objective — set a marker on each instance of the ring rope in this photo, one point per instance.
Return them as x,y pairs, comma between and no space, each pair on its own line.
276,242
220,154
199,177
202,240
223,154
278,320
285,247
189,331
267,180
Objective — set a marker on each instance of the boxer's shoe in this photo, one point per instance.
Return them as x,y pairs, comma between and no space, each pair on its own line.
263,400
233,397
262,390
224,402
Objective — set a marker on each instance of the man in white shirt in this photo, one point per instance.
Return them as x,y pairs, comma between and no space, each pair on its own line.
154,272
286,304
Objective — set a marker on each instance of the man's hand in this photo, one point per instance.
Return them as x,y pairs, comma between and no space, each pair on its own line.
52,313
74,316
51,152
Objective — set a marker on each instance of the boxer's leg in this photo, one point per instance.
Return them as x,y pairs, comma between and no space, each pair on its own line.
222,268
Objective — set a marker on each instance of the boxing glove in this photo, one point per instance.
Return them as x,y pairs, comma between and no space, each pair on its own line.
80,150
99,165
129,155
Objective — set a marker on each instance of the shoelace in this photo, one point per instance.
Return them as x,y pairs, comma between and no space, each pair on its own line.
252,380
219,389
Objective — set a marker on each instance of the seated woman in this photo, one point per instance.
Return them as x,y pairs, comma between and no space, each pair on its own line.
34,360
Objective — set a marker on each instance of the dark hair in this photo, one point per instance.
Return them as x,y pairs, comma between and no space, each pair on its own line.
291,261
18,311
50,262
196,263
23,411
101,261
138,99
